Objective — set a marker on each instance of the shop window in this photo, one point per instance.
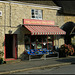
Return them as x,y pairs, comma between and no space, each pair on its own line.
44,41
33,46
50,38
44,38
33,38
27,42
50,42
27,46
44,45
39,46
33,42
50,46
27,39
36,14
38,42
39,39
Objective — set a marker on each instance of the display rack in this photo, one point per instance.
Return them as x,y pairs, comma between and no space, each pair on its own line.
41,52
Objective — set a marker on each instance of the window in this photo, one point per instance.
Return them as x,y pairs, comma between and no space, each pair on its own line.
27,42
44,41
39,39
36,14
33,42
38,42
50,42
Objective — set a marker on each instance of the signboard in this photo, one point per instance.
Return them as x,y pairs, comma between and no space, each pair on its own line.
38,22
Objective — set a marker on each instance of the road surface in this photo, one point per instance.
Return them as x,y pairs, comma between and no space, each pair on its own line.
68,69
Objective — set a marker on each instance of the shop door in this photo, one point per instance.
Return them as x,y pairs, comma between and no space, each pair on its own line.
10,46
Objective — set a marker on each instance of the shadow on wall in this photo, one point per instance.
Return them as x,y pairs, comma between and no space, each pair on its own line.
67,27
21,31
24,56
19,35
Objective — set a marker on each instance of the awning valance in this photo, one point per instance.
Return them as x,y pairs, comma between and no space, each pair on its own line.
44,30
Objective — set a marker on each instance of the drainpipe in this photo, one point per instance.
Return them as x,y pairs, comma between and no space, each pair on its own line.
4,18
10,14
4,29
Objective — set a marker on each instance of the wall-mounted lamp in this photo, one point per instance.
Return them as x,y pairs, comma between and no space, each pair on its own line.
10,31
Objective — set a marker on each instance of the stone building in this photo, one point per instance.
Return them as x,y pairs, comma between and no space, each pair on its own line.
67,13
13,29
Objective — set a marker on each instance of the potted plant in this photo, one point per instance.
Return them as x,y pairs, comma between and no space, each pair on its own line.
66,50
1,57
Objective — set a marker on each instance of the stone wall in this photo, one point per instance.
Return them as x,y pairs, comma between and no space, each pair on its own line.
20,12
13,15
2,28
69,19
59,40
61,20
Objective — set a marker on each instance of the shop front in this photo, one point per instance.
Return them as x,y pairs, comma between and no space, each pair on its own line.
40,39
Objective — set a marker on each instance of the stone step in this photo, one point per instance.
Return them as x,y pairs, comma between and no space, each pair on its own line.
13,61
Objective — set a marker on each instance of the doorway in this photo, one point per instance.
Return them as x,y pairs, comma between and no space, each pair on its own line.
10,46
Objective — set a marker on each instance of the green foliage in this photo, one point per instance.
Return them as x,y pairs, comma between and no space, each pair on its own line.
1,57
1,61
1,53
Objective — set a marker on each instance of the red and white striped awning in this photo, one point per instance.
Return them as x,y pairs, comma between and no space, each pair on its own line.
44,30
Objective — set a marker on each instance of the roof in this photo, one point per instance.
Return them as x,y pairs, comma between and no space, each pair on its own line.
41,4
68,6
44,2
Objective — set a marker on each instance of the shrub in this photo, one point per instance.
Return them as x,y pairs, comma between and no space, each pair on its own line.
1,53
66,50
1,57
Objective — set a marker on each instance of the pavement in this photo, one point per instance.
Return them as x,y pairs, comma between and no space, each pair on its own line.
19,66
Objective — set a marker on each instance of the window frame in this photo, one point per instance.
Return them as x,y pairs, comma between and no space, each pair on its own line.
41,13
41,42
